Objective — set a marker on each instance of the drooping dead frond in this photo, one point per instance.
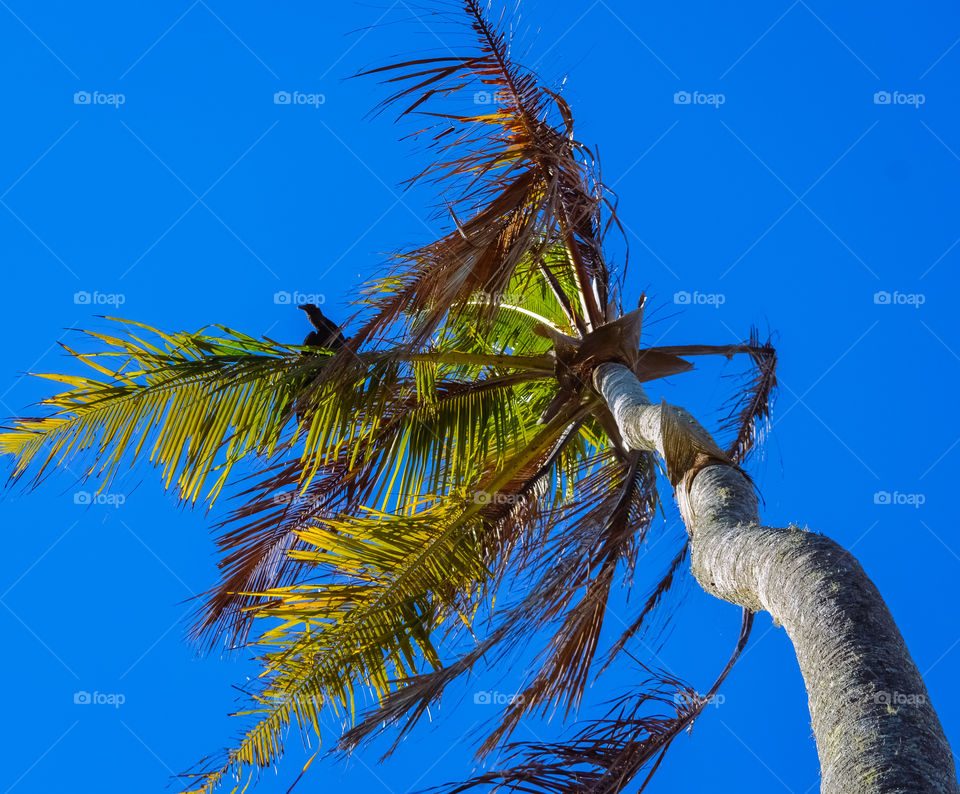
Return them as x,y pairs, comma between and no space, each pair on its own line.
658,593
520,180
606,755
611,528
749,411
749,408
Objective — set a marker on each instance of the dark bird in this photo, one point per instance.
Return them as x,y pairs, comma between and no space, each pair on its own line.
328,333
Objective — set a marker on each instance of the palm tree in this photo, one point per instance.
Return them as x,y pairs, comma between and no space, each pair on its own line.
484,425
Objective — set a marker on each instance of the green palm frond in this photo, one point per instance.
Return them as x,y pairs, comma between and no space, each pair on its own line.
594,535
390,428
394,579
424,444
512,323
205,401
370,623
420,422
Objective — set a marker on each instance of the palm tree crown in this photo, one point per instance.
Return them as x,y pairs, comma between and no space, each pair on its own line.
451,444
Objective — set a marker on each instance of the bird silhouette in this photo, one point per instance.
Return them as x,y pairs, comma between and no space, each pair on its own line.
327,333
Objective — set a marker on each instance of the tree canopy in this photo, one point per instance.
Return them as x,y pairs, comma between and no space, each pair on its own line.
384,491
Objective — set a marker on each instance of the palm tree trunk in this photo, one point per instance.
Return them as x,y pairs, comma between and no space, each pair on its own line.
875,728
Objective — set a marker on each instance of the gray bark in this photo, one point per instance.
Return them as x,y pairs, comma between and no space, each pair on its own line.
874,725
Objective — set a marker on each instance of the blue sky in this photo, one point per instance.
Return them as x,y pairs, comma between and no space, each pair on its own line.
789,165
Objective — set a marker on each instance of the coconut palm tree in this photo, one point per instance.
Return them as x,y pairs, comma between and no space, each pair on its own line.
484,425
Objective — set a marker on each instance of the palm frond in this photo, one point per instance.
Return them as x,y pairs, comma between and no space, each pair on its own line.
519,176
603,756
580,558
607,754
617,506
748,413
421,442
390,581
657,594
206,401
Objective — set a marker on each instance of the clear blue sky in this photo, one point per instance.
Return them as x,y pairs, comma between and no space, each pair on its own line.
786,193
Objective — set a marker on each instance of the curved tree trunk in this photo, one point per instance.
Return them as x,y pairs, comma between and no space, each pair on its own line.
875,728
